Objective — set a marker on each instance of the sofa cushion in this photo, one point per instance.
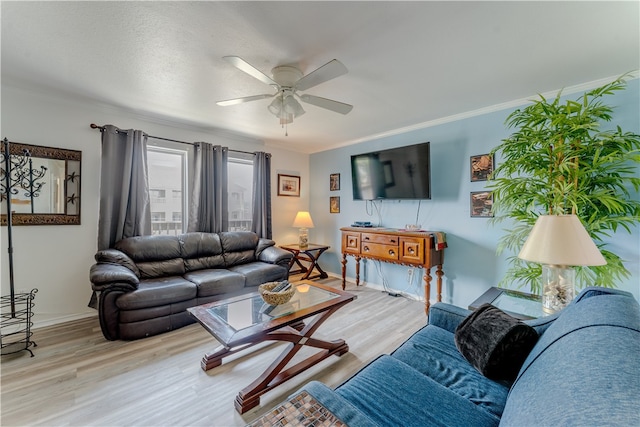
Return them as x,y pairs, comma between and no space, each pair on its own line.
239,247
159,291
155,256
494,342
201,251
257,273
391,393
215,282
572,376
432,351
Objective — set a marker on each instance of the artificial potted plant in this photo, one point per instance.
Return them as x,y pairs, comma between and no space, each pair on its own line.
560,161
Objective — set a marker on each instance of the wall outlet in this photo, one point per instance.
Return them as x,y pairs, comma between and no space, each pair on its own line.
410,273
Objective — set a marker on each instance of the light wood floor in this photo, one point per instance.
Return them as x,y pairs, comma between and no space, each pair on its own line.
77,378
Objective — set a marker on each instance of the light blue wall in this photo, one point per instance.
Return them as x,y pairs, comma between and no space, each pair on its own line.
471,265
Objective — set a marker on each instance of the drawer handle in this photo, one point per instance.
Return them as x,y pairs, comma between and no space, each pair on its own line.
411,251
391,252
366,238
366,248
393,240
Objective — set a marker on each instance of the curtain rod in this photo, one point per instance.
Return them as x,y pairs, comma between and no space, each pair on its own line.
101,128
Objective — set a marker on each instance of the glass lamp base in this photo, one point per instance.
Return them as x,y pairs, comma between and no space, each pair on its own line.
303,238
558,287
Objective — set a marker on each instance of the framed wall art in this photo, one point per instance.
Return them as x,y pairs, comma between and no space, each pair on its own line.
334,204
481,204
334,182
481,167
288,185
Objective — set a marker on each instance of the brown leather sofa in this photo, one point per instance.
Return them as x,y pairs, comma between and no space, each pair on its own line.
145,284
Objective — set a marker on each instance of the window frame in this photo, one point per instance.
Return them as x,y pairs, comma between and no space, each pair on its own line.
185,153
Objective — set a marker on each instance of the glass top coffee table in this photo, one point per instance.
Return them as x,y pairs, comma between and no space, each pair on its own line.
243,321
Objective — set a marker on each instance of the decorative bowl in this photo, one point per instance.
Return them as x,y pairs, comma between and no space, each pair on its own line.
275,298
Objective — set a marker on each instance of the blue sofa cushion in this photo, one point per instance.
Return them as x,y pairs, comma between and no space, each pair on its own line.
432,352
392,393
583,369
495,343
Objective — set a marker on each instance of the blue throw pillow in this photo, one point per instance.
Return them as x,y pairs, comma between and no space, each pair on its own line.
495,343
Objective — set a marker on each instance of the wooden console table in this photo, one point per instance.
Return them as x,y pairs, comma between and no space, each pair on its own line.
411,248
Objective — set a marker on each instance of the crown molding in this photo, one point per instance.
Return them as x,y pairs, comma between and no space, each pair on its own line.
510,105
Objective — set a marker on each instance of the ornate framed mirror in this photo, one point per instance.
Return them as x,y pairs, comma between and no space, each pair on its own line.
44,185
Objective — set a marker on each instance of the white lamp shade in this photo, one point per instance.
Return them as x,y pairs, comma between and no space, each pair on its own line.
303,220
560,240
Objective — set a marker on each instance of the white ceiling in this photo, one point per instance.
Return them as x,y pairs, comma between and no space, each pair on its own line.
410,63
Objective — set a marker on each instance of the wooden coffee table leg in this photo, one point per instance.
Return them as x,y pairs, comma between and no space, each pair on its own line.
213,359
276,373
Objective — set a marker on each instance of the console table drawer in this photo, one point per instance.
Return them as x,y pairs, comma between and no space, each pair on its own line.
351,243
379,238
380,251
412,250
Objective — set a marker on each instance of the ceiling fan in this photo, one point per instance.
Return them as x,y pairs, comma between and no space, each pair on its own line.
287,81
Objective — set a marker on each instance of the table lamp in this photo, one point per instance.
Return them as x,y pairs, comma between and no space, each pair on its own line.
559,242
303,221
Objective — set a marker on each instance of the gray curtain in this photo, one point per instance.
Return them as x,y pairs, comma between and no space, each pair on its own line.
125,209
262,194
208,211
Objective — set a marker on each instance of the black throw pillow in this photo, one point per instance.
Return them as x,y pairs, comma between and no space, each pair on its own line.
495,343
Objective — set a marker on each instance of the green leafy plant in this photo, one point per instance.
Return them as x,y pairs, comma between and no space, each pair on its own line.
559,161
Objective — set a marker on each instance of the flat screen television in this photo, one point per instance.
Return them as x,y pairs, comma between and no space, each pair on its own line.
396,173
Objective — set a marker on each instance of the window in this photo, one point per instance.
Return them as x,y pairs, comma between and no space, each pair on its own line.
157,217
240,191
168,189
167,175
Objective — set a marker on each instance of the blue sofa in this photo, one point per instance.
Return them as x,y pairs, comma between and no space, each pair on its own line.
584,370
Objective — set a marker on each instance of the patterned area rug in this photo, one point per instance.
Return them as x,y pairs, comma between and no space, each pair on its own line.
301,410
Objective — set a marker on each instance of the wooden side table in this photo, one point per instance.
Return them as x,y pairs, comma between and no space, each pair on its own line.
310,254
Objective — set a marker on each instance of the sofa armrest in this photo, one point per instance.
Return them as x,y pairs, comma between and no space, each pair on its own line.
594,291
338,405
114,256
276,255
447,316
263,244
103,276
542,323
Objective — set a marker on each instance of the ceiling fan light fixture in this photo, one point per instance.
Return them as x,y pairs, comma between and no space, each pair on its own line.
275,107
291,106
286,119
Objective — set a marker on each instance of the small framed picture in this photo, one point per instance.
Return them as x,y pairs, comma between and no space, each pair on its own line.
481,167
481,204
334,204
334,182
288,185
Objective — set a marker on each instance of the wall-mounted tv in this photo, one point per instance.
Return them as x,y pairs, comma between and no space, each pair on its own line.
395,173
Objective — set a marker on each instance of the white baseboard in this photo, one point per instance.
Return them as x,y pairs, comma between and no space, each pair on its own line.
42,320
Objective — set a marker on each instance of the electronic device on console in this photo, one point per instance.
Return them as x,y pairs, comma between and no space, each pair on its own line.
362,224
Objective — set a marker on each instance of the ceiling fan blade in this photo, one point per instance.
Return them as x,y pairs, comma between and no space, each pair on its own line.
236,101
329,104
328,71
243,65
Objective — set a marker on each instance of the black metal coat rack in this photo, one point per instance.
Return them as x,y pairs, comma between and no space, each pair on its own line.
16,310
